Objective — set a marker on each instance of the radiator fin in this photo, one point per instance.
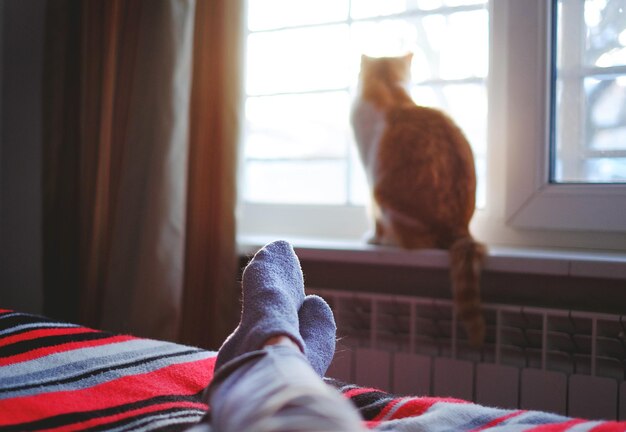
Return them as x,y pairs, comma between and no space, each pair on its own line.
563,361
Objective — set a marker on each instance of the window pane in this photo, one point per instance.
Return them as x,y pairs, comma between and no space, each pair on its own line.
458,44
359,189
590,103
297,126
607,117
373,8
451,3
606,170
383,38
447,47
298,83
269,14
605,35
298,60
307,182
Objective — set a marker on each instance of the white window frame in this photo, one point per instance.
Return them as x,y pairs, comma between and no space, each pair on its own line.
523,207
534,202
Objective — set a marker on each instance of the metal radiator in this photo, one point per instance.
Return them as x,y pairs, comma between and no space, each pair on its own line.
563,361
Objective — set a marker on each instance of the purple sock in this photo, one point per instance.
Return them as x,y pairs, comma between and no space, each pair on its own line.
318,329
273,291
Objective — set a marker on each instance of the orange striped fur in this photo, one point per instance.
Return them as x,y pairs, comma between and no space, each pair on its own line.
421,171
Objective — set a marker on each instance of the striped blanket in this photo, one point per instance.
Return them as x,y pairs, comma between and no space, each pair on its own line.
386,412
60,377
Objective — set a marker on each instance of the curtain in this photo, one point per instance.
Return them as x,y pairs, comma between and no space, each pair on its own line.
131,160
60,177
210,290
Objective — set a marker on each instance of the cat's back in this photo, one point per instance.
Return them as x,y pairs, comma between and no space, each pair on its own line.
426,133
426,166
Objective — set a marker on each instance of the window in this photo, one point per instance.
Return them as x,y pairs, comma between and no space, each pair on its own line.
302,67
590,92
521,86
300,170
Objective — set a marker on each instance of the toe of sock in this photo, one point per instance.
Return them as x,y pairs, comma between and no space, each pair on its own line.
318,330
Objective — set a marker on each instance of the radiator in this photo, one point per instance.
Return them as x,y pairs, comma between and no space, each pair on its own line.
563,361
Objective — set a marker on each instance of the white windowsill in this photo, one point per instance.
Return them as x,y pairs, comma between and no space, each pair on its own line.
500,259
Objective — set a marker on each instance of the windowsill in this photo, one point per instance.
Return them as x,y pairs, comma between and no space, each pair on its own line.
603,265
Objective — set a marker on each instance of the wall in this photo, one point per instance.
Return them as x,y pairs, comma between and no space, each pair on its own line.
22,28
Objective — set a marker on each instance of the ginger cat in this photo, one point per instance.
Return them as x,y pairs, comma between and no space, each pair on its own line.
420,168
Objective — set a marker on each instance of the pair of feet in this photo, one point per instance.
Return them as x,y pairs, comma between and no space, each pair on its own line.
274,304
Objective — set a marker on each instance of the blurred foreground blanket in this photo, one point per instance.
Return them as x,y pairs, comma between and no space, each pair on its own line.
58,376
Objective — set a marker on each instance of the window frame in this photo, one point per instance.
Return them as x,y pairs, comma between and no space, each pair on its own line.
533,201
523,207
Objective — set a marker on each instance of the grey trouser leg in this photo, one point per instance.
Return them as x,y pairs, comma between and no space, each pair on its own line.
276,390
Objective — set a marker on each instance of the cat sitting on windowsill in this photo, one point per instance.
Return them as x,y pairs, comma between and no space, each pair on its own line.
420,169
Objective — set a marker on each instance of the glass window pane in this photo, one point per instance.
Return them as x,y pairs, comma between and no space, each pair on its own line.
480,162
373,8
307,182
301,126
605,170
605,33
454,46
359,189
468,108
453,3
383,38
429,4
298,60
297,126
607,116
590,103
462,41
270,14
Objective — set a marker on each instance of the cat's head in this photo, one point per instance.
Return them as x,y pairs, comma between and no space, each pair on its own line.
392,70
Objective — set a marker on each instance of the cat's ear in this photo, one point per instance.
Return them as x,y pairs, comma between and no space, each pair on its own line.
408,57
365,59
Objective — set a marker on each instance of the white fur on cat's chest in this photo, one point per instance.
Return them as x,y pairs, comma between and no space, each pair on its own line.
368,124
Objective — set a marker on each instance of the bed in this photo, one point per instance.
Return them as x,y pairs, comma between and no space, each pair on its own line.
60,376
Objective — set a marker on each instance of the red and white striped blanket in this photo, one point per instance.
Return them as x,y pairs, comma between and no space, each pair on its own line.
60,377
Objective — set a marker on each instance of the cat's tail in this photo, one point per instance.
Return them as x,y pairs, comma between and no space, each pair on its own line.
466,262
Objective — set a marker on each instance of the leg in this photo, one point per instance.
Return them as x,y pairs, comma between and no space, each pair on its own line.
273,291
279,391
263,381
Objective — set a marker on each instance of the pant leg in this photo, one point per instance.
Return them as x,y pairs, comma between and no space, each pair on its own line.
276,390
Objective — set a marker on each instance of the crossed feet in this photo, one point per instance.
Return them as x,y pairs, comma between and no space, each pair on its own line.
276,311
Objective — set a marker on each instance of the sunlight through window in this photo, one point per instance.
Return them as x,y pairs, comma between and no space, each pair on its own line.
302,67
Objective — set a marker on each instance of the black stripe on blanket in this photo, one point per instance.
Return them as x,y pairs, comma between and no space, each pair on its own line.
48,341
369,403
95,372
79,417
13,320
147,421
